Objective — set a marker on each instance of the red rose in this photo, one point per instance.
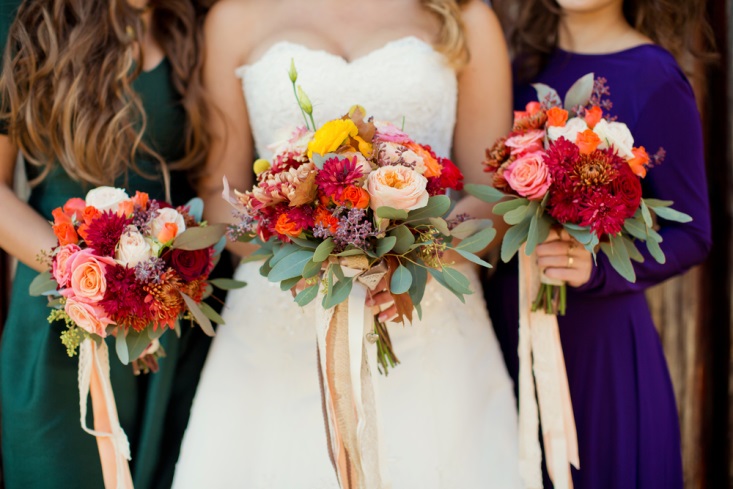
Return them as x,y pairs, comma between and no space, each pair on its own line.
190,265
628,187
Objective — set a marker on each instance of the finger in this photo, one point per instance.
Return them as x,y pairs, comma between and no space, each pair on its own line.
388,314
556,261
569,275
552,248
379,299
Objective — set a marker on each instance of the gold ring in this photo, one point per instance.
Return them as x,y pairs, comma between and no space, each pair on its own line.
570,261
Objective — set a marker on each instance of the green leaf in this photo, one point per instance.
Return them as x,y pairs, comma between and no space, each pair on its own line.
419,280
547,95
401,280
656,251
351,252
198,315
503,207
517,215
533,234
42,284
583,235
121,347
265,269
485,193
544,223
198,238
341,291
513,239
658,203
323,250
467,228
438,276
457,281
633,251
260,254
646,215
306,295
390,213
196,208
210,313
579,94
137,342
618,256
385,245
227,283
418,308
473,258
671,214
154,334
288,284
305,243
282,252
312,269
477,242
290,266
437,206
636,228
404,237
440,224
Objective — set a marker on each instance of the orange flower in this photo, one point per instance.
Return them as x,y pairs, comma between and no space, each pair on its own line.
639,162
141,199
125,208
90,213
65,233
432,167
587,141
74,206
593,116
59,216
324,217
356,196
533,107
557,117
169,231
287,227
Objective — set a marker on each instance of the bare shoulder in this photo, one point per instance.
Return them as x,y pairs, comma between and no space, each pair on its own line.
480,21
232,24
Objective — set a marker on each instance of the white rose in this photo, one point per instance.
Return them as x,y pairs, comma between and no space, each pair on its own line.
164,216
132,248
569,131
616,135
106,198
398,187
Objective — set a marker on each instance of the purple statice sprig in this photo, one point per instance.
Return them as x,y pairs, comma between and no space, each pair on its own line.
141,218
150,270
455,221
246,225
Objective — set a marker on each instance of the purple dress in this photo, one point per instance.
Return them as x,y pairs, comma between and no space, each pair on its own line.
628,430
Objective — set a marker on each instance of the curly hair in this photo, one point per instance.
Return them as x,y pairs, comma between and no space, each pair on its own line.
452,38
532,26
67,76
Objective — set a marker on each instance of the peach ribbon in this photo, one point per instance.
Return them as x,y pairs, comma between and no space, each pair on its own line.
94,380
348,363
540,353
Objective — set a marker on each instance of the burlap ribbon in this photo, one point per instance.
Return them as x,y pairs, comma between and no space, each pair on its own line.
114,449
347,357
540,352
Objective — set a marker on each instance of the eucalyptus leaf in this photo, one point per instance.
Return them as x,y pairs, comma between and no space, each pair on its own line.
401,280
654,203
305,243
155,333
517,215
467,228
351,252
121,347
227,283
198,238
636,228
390,213
288,284
418,308
485,193
580,92
440,224
265,269
618,256
533,235
547,95
210,313
290,266
385,245
282,252
656,251
473,258
198,315
311,269
42,284
196,208
646,214
323,250
583,235
513,239
220,245
671,214
438,276
137,342
633,251
477,242
306,295
503,207
456,280
341,291
419,280
437,206
404,237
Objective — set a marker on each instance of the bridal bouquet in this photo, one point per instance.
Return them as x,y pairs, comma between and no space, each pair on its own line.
572,165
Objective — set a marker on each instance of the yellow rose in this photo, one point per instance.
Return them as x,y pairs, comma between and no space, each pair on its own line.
331,136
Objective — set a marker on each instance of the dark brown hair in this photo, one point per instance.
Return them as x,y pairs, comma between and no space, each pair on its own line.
680,26
65,89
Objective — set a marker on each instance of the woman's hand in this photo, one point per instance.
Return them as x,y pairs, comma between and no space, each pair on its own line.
561,257
381,302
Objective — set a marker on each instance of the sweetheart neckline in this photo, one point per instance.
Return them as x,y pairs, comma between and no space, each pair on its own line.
338,57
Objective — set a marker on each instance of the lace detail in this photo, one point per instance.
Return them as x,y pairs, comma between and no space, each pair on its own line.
376,81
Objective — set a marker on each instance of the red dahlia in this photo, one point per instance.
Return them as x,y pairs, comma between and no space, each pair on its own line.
103,233
336,175
124,300
604,213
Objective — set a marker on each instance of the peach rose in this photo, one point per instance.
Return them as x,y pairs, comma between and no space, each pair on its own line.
87,276
163,217
529,142
61,260
87,317
398,187
529,176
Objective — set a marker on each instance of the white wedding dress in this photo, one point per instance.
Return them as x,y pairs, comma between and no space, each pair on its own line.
448,414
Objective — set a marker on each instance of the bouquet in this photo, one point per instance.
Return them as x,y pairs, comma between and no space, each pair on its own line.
339,208
132,268
573,166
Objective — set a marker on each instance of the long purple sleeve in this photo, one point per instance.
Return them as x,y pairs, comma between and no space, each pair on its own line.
669,120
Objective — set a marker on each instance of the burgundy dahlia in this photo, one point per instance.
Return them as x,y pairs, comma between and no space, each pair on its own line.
124,300
336,175
104,233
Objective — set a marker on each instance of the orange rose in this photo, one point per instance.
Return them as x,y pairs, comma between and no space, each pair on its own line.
324,217
639,162
141,199
432,167
74,206
587,141
65,233
125,208
287,227
593,116
557,117
356,196
90,213
169,231
59,216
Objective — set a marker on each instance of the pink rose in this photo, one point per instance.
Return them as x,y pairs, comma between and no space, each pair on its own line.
398,187
61,259
529,176
87,277
87,316
529,142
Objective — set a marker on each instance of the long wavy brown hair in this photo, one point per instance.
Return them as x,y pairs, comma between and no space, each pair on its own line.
532,26
451,38
65,90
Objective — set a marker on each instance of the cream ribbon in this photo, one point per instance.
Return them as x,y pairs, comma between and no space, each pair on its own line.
348,363
540,352
114,449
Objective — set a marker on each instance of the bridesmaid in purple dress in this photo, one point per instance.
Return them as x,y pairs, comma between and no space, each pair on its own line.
628,429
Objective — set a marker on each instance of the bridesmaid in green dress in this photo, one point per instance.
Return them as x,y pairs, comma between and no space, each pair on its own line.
77,89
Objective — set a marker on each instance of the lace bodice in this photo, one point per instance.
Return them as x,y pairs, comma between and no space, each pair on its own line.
405,79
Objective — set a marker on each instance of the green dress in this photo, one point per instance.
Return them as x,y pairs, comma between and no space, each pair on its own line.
43,445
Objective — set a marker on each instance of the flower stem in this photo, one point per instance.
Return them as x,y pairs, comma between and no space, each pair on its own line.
386,358
301,108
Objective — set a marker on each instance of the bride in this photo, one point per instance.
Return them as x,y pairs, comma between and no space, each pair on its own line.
447,411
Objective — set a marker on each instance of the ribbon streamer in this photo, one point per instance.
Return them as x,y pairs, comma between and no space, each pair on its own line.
114,449
347,363
540,352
